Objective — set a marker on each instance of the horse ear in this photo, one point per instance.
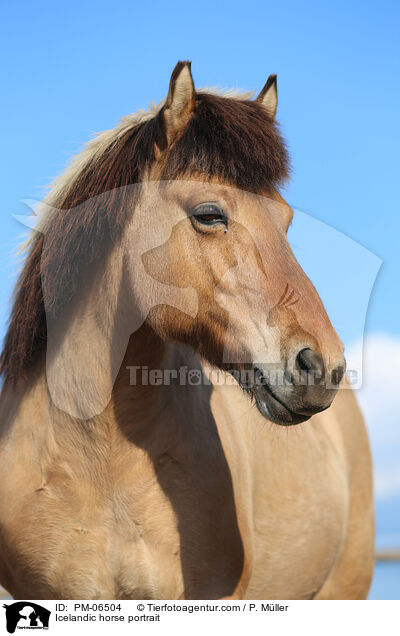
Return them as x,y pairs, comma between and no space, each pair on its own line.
269,96
180,100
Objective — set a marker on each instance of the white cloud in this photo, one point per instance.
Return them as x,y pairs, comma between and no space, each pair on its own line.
380,403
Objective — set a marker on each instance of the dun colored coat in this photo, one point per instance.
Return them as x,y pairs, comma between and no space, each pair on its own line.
166,420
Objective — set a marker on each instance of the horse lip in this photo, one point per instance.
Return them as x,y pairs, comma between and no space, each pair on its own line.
271,407
277,412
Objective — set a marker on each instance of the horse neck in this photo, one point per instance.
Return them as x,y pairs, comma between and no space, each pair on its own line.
137,400
92,350
86,345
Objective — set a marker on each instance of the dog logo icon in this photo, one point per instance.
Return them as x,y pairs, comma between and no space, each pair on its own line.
26,615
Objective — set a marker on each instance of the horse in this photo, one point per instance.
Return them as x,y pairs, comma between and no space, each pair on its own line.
176,421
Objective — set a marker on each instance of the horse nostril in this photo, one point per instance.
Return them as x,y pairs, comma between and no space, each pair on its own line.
308,360
337,374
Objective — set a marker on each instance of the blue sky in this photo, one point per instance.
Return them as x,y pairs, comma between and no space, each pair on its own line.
72,69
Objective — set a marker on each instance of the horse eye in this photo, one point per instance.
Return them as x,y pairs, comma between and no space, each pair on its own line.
210,214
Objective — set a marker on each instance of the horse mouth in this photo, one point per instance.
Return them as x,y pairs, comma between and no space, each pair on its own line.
272,408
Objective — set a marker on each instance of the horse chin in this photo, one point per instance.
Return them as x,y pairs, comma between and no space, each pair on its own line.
276,412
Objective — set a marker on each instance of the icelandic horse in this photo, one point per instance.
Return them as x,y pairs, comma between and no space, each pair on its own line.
152,445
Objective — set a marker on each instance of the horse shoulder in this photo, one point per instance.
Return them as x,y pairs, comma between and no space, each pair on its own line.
352,573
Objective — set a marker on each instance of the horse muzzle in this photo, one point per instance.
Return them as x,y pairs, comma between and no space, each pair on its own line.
307,389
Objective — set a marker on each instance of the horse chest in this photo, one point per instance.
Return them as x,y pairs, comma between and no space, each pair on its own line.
95,547
168,526
164,531
300,529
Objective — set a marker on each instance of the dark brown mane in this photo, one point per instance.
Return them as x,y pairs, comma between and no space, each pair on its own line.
231,139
